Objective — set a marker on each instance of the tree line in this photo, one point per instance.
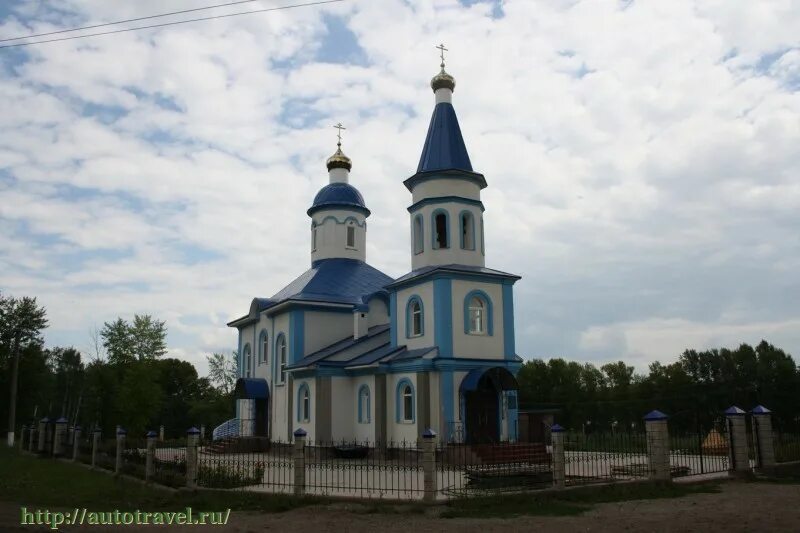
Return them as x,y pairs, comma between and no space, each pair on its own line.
126,379
693,391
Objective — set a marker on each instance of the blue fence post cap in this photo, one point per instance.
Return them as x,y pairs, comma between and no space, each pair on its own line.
45,420
121,431
151,434
734,411
192,431
556,428
428,433
655,414
300,432
62,420
760,410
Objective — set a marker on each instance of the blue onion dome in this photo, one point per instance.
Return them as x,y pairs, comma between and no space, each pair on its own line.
443,80
339,195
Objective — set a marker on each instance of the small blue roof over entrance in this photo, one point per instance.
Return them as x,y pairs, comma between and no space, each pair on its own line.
501,378
251,389
444,146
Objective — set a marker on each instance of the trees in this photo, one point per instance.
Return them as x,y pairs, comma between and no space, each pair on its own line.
21,324
143,339
222,371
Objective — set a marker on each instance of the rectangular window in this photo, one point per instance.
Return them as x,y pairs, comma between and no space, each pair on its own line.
351,237
306,407
408,404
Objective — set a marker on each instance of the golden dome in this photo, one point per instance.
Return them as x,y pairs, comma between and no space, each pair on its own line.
443,80
338,159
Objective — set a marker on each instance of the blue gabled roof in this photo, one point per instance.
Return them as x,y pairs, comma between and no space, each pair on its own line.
455,269
444,146
335,280
341,195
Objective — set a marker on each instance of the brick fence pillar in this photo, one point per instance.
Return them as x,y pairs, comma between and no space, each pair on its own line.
192,438
149,462
429,464
657,434
95,445
559,456
76,439
59,437
299,460
763,437
121,433
738,452
43,441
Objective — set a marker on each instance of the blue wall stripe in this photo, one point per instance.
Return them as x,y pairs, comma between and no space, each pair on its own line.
296,335
508,321
443,316
393,318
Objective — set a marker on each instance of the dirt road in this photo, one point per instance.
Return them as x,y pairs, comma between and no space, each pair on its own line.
739,507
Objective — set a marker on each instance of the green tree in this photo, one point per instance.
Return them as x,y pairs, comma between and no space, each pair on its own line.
222,371
118,342
21,324
148,337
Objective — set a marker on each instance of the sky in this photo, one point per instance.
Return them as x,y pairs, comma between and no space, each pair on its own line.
642,161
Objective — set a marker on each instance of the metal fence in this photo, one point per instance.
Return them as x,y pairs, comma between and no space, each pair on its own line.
605,457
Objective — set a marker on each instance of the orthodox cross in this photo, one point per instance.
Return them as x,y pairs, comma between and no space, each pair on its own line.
339,133
442,50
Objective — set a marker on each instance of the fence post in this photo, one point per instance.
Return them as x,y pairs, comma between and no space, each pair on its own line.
192,435
95,445
764,440
121,433
429,464
149,463
559,457
42,434
76,438
299,460
202,432
32,432
657,434
737,441
22,437
161,433
59,436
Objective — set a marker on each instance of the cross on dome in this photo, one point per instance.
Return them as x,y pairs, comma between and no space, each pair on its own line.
443,80
339,127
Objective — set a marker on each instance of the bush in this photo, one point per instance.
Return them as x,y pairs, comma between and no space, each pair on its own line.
222,476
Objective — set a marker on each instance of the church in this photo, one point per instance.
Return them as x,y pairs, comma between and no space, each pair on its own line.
347,353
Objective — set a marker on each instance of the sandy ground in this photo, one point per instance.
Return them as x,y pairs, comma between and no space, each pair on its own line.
739,507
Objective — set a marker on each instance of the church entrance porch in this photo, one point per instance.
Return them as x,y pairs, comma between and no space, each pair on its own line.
487,409
252,398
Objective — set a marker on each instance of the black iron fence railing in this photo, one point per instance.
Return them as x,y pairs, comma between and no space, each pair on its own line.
605,457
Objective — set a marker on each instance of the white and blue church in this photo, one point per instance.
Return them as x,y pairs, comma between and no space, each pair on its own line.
347,353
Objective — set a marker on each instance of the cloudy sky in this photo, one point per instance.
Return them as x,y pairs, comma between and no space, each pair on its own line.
642,161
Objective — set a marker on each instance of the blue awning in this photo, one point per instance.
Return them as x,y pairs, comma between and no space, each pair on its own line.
251,389
500,378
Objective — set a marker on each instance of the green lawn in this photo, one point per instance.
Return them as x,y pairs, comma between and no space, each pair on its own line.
28,480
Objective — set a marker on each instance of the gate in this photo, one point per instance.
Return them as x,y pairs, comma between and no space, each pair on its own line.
698,443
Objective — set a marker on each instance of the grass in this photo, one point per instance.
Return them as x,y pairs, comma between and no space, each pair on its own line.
568,502
28,480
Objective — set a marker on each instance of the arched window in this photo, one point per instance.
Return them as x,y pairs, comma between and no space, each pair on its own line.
415,317
280,356
303,404
440,229
419,236
313,236
467,223
364,416
478,314
263,347
248,360
351,236
405,401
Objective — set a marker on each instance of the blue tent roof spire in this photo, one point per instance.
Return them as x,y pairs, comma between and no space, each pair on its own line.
444,146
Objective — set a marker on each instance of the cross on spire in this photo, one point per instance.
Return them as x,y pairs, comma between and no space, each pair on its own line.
339,127
442,50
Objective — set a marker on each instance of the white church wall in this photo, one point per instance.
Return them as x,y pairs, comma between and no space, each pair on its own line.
247,341
323,329
378,313
436,188
363,431
342,417
477,346
399,431
425,292
297,423
332,235
436,405
263,366
453,254
279,401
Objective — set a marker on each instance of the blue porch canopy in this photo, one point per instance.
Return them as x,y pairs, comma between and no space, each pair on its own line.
500,378
251,389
